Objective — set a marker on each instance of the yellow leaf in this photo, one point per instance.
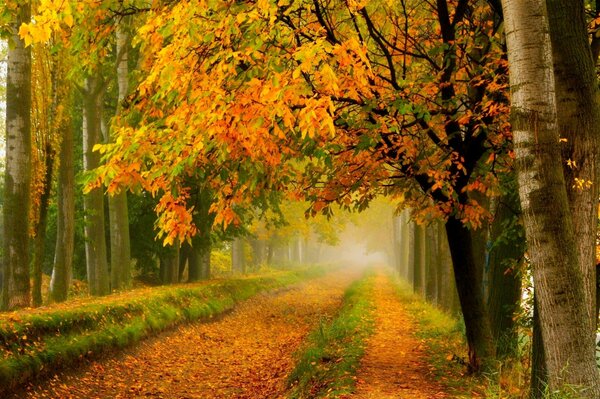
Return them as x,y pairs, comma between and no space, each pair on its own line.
68,20
25,34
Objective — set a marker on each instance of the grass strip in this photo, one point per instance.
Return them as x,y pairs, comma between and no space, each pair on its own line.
328,361
32,344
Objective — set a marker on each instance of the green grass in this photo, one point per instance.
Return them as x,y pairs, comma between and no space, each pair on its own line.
36,341
328,361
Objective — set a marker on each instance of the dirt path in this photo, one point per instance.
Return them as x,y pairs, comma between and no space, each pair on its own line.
246,354
394,365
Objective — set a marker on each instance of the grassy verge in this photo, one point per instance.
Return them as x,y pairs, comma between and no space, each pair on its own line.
330,357
38,341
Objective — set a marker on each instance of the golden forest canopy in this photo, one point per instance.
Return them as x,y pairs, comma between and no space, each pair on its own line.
329,101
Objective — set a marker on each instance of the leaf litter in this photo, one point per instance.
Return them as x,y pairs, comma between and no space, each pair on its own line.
246,354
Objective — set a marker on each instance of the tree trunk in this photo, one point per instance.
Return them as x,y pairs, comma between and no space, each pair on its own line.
578,114
199,259
169,265
39,243
237,256
65,223
505,258
431,269
17,176
93,202
561,299
468,285
205,262
409,249
120,252
184,260
539,374
420,247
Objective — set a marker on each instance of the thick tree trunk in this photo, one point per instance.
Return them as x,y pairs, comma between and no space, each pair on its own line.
561,299
578,114
468,285
93,202
120,252
17,176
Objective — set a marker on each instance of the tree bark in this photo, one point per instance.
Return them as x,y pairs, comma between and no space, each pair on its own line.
420,248
237,256
578,114
505,258
17,177
65,224
93,202
120,252
169,265
431,264
39,242
65,220
468,285
539,374
563,308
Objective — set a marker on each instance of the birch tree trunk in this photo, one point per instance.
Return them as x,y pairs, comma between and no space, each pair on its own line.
120,252
560,295
17,177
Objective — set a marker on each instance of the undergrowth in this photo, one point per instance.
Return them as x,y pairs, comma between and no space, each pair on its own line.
34,342
328,361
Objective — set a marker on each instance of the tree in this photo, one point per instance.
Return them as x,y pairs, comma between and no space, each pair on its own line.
62,270
560,297
373,104
46,115
16,285
578,114
120,252
95,239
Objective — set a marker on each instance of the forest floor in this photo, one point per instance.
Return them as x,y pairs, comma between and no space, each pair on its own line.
395,361
249,353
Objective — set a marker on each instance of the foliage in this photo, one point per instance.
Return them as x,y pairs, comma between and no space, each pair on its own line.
33,342
364,99
329,360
